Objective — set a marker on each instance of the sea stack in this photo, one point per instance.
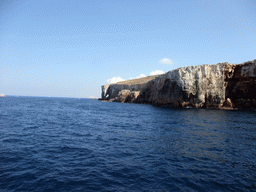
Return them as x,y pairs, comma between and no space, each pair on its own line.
223,86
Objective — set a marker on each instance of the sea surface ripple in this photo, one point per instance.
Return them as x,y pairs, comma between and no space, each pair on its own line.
68,144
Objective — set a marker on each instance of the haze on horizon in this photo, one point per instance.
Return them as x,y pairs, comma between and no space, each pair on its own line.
71,48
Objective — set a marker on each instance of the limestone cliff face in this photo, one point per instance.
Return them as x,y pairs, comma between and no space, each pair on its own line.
208,86
111,91
195,86
241,84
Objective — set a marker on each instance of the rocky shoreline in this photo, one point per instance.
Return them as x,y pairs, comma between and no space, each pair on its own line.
222,86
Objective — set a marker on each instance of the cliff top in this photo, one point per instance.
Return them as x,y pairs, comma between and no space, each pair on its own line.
137,81
144,80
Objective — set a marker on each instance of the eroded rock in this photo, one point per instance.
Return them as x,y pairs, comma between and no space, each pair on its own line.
122,95
208,86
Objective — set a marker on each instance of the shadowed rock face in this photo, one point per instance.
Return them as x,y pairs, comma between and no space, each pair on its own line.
241,85
210,86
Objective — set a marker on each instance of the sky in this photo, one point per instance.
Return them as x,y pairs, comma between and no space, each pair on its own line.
71,48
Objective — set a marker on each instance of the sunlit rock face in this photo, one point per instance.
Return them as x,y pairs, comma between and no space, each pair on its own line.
195,86
122,95
209,86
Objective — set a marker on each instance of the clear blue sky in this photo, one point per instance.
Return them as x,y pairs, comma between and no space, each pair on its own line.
71,48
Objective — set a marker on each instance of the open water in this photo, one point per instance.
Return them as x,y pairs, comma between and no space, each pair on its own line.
67,144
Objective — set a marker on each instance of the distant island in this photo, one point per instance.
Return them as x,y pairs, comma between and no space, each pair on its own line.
2,95
223,86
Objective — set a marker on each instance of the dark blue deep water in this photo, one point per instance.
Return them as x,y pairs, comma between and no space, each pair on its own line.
65,144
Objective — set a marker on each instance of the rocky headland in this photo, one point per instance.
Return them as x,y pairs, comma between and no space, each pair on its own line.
224,86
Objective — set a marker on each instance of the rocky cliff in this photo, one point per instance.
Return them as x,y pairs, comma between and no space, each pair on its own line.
112,91
205,86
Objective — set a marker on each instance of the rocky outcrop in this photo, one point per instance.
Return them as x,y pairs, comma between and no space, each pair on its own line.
205,86
111,91
241,84
123,95
127,96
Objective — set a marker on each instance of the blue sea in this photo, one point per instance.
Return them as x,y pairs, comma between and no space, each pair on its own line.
69,144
